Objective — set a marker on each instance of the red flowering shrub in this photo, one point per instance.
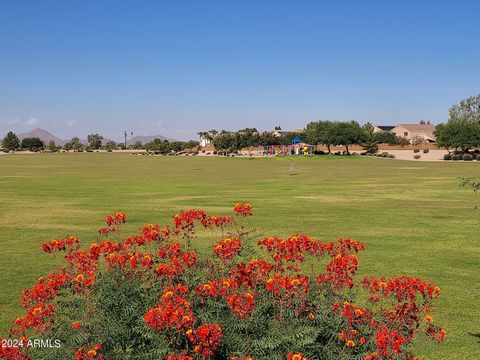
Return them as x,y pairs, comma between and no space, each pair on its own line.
151,295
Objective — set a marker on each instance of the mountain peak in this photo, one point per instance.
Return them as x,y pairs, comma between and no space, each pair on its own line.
43,135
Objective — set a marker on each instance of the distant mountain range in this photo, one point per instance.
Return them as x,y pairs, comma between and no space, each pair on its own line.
43,135
46,137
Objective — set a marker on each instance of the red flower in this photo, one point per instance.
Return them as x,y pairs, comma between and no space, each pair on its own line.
244,209
296,356
226,249
207,339
172,312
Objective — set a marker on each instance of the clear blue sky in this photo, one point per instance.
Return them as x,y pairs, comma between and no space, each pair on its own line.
178,67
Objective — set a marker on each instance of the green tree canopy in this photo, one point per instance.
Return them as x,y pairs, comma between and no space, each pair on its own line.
74,145
458,134
386,137
346,134
95,141
320,133
52,147
110,145
165,147
468,110
33,144
369,139
10,141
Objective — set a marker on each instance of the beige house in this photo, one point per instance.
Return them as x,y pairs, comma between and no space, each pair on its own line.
410,131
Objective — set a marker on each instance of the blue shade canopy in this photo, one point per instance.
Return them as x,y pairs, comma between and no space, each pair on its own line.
296,140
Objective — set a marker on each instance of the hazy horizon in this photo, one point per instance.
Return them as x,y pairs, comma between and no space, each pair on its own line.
174,69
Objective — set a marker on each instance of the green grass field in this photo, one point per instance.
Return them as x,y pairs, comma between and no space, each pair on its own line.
413,216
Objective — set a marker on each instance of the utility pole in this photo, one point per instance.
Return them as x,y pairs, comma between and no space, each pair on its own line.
125,139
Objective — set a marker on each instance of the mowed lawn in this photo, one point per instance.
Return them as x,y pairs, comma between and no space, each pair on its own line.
413,216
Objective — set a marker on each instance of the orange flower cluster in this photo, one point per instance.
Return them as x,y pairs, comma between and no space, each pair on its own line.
12,353
177,262
287,284
343,264
37,302
388,328
389,342
45,289
60,245
403,288
113,222
296,356
356,315
294,248
216,221
358,318
174,310
340,271
239,288
243,209
241,305
89,353
206,339
227,248
249,275
185,221
116,219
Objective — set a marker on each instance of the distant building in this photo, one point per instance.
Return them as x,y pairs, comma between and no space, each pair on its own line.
410,131
286,132
381,128
205,141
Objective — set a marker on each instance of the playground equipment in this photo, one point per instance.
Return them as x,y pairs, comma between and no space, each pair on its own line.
297,147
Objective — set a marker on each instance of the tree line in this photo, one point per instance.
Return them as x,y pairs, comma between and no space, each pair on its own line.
328,133
11,142
462,131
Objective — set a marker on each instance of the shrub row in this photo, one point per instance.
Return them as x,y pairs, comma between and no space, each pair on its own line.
464,157
383,154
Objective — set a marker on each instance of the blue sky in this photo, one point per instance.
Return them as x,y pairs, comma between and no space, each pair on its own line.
179,67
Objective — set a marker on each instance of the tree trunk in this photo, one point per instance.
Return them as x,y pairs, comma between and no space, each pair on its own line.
328,147
346,147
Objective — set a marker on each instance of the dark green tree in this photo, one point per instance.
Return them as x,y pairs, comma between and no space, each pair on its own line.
51,146
346,134
33,144
369,139
319,132
458,135
74,145
94,141
10,142
158,146
110,145
386,137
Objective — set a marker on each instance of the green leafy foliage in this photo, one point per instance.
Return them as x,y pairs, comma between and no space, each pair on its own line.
33,144
10,142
